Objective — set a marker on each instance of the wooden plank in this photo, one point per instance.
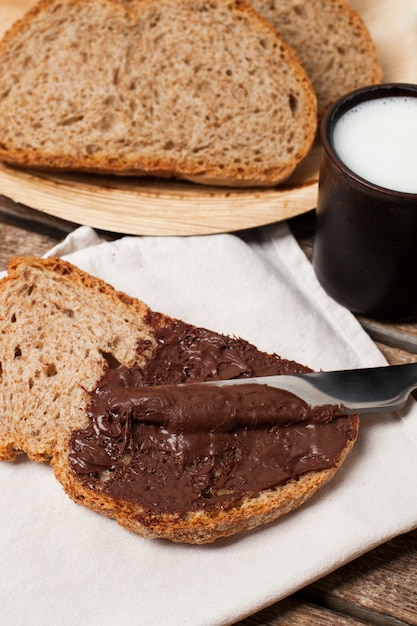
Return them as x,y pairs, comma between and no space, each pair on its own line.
403,336
295,612
34,221
16,241
382,583
396,356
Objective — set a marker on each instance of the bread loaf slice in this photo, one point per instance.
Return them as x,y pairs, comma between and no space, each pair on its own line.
204,90
59,327
63,332
332,42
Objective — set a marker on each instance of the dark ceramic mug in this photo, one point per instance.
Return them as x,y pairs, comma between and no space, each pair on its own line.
365,247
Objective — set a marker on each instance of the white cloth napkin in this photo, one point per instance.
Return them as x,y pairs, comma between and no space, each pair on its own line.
63,564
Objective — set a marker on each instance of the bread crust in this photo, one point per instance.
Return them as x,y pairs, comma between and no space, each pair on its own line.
61,329
201,527
250,125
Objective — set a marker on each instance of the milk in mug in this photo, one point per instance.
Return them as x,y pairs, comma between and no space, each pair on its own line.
377,139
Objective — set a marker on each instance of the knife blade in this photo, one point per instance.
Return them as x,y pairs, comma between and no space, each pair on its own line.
366,390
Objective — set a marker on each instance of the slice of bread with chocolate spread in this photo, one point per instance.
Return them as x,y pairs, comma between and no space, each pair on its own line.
85,376
195,89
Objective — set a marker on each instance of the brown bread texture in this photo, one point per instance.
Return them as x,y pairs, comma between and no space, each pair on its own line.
59,327
332,42
204,90
60,330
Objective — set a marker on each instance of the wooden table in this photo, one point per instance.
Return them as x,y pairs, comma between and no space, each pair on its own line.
379,588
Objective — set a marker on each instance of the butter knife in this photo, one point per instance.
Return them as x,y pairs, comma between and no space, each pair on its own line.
367,390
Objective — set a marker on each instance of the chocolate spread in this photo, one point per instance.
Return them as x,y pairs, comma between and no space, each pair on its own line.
174,449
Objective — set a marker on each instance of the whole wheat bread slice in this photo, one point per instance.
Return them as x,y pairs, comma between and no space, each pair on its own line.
61,331
332,42
199,89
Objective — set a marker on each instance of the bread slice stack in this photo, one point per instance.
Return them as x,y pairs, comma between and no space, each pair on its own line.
62,332
195,89
330,39
332,42
218,92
